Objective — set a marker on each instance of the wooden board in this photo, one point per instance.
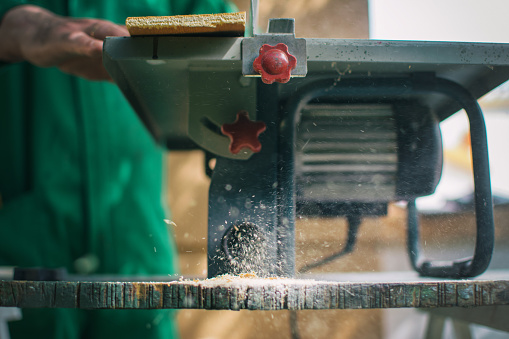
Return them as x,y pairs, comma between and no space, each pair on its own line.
225,24
247,292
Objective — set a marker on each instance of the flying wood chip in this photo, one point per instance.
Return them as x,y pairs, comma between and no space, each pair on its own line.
224,24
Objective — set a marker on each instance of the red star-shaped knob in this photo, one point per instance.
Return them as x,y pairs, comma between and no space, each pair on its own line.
244,133
274,63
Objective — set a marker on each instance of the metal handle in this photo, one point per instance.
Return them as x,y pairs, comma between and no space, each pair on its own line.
485,237
428,83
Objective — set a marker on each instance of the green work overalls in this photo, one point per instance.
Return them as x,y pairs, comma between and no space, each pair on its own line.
80,181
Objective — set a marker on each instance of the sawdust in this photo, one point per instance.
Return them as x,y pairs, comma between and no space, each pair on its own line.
246,251
251,279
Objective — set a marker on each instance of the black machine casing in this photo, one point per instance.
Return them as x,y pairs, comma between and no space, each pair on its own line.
185,88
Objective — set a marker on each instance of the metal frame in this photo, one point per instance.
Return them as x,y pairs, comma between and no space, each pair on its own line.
265,183
153,73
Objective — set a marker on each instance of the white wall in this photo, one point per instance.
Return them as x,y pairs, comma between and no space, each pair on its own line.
454,20
441,20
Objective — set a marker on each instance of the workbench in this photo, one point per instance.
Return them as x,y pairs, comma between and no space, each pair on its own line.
335,291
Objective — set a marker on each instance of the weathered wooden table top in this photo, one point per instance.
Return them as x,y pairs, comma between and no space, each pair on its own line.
331,291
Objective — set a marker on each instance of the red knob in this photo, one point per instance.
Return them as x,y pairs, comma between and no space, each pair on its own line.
274,63
244,133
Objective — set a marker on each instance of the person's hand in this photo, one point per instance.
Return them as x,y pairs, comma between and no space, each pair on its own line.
33,34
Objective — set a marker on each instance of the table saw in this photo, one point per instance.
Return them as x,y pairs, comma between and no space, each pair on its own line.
324,127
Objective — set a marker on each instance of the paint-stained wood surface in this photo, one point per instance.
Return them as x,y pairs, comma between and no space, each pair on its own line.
236,293
227,24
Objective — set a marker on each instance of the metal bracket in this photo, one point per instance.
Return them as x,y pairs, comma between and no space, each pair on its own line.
279,31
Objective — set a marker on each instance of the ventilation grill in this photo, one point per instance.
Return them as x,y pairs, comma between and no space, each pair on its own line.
346,153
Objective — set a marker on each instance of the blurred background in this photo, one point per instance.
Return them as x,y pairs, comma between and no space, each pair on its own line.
448,226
